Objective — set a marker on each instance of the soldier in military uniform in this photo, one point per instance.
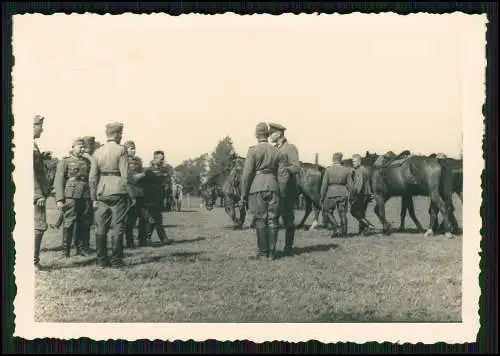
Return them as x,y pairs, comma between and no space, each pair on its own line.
42,190
157,175
335,194
360,194
89,148
289,198
263,176
138,211
111,196
72,193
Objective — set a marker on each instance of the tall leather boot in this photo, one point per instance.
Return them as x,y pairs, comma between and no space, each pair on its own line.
272,233
38,244
67,237
261,243
289,238
102,250
117,254
86,240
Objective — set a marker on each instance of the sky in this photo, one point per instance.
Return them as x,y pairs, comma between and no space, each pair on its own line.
347,83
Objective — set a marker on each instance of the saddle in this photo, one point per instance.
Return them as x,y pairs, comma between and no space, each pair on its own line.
391,161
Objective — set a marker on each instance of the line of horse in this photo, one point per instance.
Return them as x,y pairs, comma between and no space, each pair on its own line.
404,175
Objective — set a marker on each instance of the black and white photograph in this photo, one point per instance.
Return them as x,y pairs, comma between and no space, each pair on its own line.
261,177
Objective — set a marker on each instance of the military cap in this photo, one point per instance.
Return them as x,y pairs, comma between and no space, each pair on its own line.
38,120
89,140
337,157
114,127
261,129
78,141
276,127
129,143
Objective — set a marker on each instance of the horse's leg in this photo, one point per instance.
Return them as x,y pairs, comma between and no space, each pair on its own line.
442,206
380,212
433,217
413,216
315,223
243,214
306,214
402,215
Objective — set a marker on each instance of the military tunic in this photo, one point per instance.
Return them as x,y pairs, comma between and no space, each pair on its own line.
42,189
334,191
109,187
72,189
260,182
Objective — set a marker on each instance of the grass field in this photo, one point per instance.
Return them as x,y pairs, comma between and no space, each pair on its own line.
207,276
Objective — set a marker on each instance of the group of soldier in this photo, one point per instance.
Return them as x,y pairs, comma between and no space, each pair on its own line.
106,187
109,188
269,189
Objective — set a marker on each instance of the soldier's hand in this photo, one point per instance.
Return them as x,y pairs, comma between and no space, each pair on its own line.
95,204
41,202
133,201
59,205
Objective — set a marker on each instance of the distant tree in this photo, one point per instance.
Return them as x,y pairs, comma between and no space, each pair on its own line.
189,174
220,161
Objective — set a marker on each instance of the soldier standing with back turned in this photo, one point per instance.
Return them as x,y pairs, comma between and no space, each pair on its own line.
42,190
334,193
109,190
72,193
289,198
263,171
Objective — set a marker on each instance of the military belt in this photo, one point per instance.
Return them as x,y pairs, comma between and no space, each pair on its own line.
337,185
117,173
264,171
78,179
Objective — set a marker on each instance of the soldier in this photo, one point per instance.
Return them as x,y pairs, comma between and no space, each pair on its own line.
360,194
72,193
264,173
42,190
288,201
157,175
89,149
138,211
111,196
334,194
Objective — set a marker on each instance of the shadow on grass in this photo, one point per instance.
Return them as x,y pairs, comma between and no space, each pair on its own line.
297,251
231,227
183,241
170,225
186,256
190,211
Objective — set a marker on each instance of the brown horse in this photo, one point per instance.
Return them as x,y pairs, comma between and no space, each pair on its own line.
410,176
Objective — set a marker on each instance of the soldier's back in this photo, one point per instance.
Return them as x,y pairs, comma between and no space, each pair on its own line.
266,160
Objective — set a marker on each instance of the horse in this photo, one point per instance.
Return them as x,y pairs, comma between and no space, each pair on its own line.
168,201
409,176
308,183
50,164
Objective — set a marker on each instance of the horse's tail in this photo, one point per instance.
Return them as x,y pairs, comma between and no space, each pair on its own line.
446,181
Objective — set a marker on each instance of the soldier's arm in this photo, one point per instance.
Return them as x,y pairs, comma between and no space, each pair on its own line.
247,175
140,175
125,173
93,178
367,181
60,180
293,160
282,172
